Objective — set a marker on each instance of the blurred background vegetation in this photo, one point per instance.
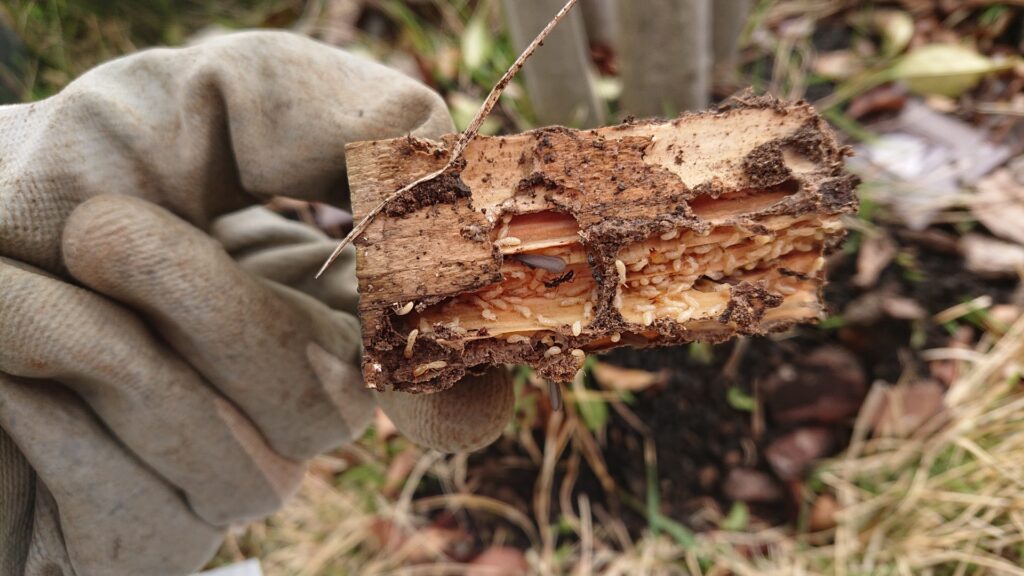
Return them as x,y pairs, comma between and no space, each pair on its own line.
829,448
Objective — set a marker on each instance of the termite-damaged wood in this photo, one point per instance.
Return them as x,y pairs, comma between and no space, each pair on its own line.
541,247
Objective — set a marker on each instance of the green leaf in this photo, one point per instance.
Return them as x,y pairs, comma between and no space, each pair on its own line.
476,41
945,69
832,322
681,534
594,412
737,519
896,28
740,400
362,476
464,108
701,353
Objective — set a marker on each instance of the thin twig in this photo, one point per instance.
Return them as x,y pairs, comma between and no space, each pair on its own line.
460,146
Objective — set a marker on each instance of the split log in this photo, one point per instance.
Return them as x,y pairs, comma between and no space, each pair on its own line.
555,243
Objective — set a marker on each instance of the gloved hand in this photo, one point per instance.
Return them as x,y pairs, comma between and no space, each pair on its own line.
154,390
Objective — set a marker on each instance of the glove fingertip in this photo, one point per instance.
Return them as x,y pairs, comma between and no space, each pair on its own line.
469,416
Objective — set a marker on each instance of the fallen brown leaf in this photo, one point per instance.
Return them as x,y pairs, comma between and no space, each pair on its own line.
611,377
987,256
791,455
399,469
999,204
903,308
823,513
839,64
876,252
905,408
749,485
384,426
499,561
827,387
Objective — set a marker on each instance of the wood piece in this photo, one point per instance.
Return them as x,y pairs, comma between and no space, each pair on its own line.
648,233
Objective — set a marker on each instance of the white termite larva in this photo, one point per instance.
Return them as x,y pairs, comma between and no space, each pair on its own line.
690,300
508,242
492,293
577,290
545,321
639,265
424,368
410,342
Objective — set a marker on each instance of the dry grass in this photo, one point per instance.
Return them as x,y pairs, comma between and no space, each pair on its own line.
947,498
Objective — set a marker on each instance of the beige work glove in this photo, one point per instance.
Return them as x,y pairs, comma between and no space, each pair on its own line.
153,389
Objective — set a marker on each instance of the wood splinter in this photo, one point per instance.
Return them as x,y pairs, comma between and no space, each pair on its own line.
541,247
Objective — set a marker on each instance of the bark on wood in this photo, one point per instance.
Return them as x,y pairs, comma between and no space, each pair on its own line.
558,78
551,244
665,56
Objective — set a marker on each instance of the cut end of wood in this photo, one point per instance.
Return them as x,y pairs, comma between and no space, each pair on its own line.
545,246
